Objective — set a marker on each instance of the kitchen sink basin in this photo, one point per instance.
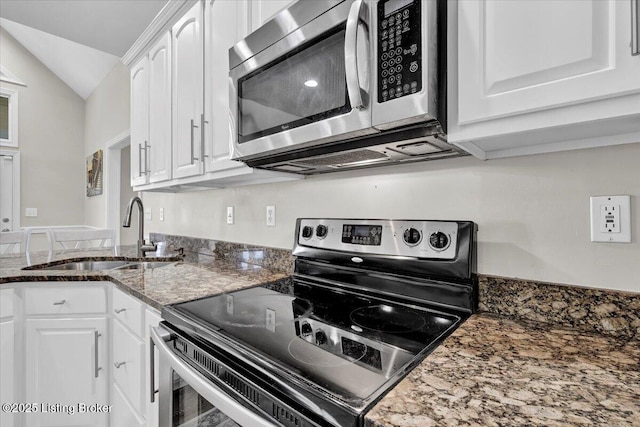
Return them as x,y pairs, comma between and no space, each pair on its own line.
144,265
110,265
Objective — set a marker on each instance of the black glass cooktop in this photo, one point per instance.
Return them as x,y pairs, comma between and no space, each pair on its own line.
347,343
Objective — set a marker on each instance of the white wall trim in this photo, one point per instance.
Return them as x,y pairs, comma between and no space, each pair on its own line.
16,185
12,140
112,187
8,77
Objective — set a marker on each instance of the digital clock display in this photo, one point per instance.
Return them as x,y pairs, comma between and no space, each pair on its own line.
394,5
362,234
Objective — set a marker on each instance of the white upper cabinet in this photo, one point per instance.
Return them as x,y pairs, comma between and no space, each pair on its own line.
159,154
187,89
223,30
532,76
139,120
180,133
151,115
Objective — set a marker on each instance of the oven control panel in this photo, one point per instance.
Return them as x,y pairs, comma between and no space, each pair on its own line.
413,238
399,55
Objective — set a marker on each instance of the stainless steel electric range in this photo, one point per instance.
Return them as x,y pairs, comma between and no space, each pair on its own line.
368,300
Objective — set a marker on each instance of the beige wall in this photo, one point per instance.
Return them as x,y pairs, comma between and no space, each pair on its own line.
533,211
106,117
51,132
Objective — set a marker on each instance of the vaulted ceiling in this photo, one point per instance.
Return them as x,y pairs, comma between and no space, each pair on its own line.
79,40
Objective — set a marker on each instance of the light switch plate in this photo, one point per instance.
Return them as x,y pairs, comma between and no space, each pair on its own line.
611,219
31,212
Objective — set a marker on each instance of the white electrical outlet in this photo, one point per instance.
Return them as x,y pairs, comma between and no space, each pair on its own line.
229,214
31,212
147,214
161,216
271,216
611,219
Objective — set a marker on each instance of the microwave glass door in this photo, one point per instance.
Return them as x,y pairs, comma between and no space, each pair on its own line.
190,409
305,86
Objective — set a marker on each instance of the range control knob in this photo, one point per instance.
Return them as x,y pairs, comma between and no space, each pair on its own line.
305,329
321,337
439,241
321,231
307,232
412,236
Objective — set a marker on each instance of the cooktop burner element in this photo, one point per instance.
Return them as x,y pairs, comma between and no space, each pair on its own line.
384,318
368,300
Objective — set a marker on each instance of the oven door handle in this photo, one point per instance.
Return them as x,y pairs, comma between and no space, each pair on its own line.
358,15
203,386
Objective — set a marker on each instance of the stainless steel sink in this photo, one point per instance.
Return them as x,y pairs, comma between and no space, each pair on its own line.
109,265
144,265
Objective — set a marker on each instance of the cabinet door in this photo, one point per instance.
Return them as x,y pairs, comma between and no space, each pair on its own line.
221,32
151,319
7,370
517,57
139,121
160,110
128,365
263,10
65,364
187,93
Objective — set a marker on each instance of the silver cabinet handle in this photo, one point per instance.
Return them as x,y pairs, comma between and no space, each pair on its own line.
193,126
96,360
357,13
118,364
140,159
119,310
635,29
61,302
147,166
202,151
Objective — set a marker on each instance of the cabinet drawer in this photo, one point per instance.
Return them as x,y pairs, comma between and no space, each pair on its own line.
128,365
6,303
91,298
128,310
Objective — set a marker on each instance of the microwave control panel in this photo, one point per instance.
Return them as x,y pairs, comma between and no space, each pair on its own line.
399,53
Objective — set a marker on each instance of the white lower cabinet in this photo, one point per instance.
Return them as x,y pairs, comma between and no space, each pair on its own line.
65,371
123,414
7,351
130,366
79,352
127,359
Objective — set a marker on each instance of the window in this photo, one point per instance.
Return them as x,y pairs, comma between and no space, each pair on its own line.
8,118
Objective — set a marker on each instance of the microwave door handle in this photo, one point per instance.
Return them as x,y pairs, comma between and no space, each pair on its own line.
357,13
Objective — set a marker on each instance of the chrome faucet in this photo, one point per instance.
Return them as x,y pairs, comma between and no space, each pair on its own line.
143,248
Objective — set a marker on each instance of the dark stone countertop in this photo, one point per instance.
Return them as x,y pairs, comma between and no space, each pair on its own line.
492,371
179,281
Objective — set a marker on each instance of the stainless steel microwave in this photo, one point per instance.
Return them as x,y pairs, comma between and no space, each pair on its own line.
333,85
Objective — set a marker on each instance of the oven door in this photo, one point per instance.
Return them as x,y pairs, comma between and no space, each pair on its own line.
188,399
308,88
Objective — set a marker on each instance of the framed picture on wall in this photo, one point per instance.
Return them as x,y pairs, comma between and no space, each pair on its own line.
94,174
